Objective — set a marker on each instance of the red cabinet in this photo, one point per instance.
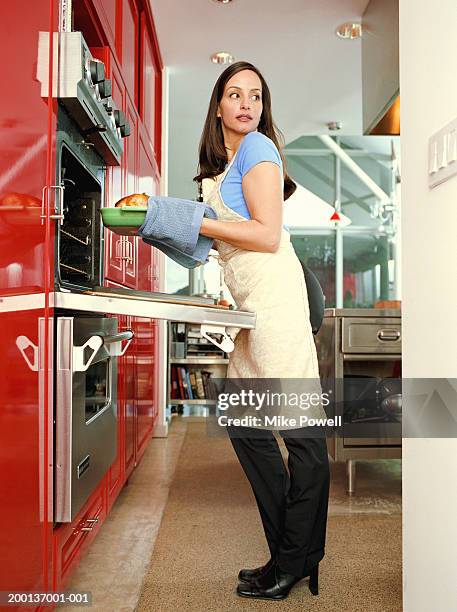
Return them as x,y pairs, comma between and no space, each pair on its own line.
146,392
148,182
115,250
150,81
106,10
128,49
121,253
27,163
33,555
70,540
131,186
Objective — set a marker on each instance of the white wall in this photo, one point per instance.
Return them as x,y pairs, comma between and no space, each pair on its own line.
428,89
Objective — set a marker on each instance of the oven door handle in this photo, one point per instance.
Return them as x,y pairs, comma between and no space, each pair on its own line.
112,343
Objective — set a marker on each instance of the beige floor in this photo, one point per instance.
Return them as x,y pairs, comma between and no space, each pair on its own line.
116,567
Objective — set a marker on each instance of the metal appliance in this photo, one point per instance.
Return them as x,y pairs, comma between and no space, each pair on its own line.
87,348
80,85
79,233
359,352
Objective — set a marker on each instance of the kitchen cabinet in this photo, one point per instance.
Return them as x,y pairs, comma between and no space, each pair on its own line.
146,384
114,244
106,10
148,182
28,123
121,256
131,186
149,82
35,554
127,45
70,539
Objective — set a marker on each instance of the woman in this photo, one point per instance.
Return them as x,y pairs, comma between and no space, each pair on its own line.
242,175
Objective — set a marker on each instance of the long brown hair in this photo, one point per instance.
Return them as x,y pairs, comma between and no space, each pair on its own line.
212,154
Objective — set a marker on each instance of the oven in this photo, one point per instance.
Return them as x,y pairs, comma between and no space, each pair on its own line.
79,232
87,349
90,133
359,352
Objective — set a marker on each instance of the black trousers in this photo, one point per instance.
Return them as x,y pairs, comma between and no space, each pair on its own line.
293,506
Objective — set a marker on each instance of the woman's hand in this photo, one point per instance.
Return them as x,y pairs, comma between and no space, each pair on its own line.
263,192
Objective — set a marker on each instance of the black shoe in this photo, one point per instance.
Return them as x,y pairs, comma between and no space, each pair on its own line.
275,584
248,575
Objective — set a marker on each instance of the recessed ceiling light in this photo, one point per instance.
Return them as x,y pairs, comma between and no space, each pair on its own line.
223,1
221,57
349,30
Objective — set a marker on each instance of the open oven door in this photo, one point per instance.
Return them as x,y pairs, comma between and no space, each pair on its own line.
217,323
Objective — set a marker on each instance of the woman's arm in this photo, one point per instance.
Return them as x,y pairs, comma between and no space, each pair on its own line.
263,192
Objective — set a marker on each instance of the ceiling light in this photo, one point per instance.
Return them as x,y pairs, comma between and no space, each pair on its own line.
334,125
223,1
349,30
221,57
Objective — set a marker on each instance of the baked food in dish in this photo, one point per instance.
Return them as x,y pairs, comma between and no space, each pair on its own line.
135,199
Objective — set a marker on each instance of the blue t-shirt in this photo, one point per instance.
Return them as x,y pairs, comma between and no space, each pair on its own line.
254,148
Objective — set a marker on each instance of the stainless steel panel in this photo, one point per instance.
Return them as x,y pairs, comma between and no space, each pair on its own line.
362,312
371,335
154,306
85,447
63,427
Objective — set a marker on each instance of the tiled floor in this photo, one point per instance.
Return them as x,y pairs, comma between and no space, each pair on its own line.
115,565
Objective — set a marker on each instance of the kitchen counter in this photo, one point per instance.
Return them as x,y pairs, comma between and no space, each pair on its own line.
362,312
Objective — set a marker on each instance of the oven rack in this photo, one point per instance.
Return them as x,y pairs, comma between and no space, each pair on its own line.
85,242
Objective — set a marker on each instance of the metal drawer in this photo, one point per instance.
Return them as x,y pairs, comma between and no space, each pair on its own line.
365,335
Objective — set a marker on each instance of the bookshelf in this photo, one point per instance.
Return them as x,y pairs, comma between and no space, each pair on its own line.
192,362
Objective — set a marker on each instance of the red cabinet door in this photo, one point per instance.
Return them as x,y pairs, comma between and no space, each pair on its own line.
127,47
72,539
115,249
106,10
131,186
150,84
27,162
145,381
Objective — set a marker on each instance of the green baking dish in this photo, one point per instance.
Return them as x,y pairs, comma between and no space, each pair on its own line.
124,220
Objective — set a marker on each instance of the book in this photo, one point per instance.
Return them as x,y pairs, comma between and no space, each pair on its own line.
200,387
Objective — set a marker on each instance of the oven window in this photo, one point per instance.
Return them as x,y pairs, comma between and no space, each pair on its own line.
97,389
372,391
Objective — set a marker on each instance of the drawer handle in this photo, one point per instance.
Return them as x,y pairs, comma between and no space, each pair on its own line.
91,522
389,335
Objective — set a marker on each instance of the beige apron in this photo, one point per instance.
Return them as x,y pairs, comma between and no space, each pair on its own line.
273,286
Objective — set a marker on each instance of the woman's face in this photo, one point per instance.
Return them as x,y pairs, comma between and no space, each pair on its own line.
241,105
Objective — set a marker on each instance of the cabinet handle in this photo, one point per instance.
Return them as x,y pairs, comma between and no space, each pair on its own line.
127,251
92,522
124,249
388,335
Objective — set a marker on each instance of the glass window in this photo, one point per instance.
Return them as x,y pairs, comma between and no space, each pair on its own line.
317,251
365,269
